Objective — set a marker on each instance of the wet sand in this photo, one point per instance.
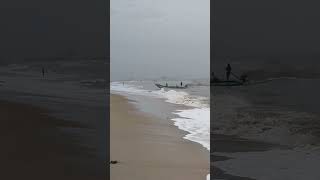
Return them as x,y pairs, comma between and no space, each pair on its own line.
148,148
233,144
34,147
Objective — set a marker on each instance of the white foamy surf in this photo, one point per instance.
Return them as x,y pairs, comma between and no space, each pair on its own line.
195,121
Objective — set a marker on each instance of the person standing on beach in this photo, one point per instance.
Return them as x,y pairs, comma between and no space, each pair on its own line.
228,71
181,83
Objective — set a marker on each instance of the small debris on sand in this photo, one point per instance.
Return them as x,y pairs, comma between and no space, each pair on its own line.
113,162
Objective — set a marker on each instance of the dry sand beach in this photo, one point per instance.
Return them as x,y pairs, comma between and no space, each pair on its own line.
148,148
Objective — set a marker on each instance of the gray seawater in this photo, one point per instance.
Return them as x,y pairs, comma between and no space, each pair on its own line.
283,110
195,88
200,87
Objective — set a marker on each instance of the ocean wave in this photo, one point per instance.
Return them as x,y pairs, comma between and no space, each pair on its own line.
195,121
234,116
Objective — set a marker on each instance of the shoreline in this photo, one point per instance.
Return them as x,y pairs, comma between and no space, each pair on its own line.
147,147
243,160
226,145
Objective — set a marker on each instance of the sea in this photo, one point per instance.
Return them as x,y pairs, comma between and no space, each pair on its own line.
281,111
188,108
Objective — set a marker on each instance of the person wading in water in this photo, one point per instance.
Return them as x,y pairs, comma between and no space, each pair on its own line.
228,71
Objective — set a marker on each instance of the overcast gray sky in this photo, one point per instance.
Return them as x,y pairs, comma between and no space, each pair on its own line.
154,38
270,38
46,29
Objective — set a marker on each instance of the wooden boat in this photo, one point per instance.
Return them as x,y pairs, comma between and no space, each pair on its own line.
173,87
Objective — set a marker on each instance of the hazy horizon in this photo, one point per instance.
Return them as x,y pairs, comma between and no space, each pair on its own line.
152,39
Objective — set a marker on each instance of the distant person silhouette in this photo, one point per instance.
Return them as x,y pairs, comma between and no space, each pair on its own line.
42,72
181,83
166,84
228,71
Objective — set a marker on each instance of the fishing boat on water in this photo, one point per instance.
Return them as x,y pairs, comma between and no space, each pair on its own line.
173,87
241,81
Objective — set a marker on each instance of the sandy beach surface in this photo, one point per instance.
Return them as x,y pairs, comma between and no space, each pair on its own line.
148,148
34,147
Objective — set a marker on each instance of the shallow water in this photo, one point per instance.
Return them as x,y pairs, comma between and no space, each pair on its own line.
188,108
284,111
